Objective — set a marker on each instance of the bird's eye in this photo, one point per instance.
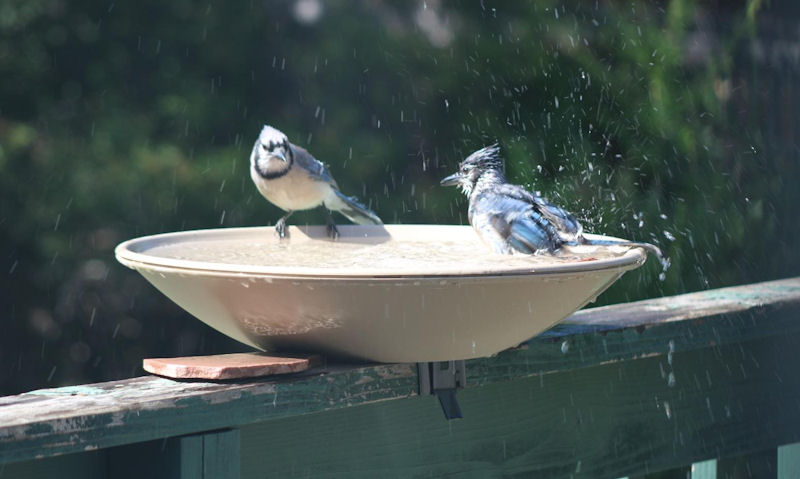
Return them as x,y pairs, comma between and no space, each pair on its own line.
264,147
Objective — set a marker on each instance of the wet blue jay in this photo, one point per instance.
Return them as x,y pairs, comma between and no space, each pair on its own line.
510,219
290,178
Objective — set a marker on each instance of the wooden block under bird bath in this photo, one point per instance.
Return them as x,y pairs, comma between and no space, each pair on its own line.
228,366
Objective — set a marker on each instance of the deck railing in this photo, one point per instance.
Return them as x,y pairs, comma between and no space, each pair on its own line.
698,385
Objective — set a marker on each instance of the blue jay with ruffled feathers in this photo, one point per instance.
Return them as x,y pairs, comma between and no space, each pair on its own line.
510,219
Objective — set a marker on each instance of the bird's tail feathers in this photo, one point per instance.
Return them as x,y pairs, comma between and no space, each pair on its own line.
634,244
352,209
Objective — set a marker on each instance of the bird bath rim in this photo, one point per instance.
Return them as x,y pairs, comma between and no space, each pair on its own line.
133,254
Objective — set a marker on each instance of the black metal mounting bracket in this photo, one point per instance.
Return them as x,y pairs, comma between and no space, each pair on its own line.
443,379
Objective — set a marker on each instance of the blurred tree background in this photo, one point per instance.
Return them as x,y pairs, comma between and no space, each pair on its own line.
672,122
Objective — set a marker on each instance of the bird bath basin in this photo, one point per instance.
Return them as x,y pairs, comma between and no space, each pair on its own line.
394,293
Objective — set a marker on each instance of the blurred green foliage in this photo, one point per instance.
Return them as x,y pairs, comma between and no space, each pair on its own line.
671,122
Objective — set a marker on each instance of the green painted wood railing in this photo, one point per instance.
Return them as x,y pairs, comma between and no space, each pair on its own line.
698,385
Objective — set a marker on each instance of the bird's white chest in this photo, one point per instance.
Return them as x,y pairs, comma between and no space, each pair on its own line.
292,191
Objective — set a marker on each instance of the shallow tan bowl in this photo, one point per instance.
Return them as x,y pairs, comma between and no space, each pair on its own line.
399,293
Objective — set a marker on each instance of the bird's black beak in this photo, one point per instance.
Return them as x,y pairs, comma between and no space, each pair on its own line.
451,180
279,153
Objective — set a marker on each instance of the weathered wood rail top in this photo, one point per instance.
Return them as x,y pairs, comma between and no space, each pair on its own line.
629,388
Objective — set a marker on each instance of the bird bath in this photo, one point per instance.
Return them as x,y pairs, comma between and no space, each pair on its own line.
394,293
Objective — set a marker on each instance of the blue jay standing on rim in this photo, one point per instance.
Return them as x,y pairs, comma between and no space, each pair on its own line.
510,219
290,178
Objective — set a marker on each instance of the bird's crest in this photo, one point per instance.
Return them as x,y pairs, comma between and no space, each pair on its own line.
484,159
271,137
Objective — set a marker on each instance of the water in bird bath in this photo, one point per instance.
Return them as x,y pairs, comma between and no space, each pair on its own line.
368,255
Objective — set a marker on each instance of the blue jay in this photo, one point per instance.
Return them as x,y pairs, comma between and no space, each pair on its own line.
290,178
510,219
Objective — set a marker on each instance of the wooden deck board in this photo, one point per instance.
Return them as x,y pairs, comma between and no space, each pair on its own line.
56,421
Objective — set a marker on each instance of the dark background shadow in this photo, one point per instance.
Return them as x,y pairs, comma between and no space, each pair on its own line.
666,122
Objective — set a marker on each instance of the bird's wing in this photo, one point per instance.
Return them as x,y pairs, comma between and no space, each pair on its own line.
514,222
315,168
564,222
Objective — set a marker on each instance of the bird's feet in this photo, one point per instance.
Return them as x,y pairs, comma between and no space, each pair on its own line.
280,228
333,232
